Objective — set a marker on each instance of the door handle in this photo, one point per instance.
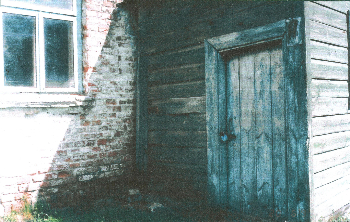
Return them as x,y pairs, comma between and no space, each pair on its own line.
225,137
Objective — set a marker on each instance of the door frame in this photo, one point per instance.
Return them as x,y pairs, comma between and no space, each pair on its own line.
291,34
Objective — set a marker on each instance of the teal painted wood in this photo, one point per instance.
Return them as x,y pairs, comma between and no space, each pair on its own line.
234,127
279,135
264,126
296,127
213,127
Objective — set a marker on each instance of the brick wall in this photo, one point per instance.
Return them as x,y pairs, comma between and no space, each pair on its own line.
68,155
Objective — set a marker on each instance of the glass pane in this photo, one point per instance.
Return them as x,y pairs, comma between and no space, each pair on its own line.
19,49
59,67
58,4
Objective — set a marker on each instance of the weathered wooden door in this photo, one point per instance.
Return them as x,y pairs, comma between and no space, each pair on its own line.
255,131
257,122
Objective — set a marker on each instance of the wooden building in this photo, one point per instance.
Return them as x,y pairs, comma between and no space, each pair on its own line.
245,104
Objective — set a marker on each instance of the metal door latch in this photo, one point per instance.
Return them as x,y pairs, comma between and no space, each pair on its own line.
225,137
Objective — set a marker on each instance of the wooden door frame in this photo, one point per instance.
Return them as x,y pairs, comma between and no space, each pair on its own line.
291,34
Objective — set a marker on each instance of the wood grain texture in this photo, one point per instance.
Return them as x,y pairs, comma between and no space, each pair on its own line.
329,88
322,51
179,90
188,122
327,34
328,70
325,15
323,106
335,173
278,133
330,124
248,154
234,123
178,138
341,6
331,159
178,106
263,133
330,142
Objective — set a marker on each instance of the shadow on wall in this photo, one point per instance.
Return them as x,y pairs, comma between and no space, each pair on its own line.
74,155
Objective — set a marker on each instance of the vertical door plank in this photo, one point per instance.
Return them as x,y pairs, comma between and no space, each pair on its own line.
248,152
234,146
212,102
279,144
222,146
263,142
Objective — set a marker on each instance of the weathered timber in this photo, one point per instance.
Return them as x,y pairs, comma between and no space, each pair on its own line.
326,88
234,146
278,135
330,124
249,37
327,16
324,193
322,106
179,90
327,34
331,174
178,138
229,19
189,122
248,151
326,52
341,6
328,70
187,56
330,142
178,106
178,155
263,133
331,159
187,73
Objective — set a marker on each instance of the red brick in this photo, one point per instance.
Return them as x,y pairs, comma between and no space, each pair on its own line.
86,123
111,102
96,149
101,142
63,174
74,165
98,122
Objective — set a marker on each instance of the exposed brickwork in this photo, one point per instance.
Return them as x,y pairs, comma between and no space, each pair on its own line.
63,154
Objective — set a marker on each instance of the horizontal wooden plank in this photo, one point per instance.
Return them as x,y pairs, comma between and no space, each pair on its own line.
342,6
190,122
329,88
186,56
331,174
331,159
187,73
325,193
330,124
178,106
322,106
211,25
178,138
180,172
327,34
248,37
333,204
328,70
179,90
326,52
197,156
329,142
325,15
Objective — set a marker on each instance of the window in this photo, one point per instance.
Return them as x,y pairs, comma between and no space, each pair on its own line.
39,46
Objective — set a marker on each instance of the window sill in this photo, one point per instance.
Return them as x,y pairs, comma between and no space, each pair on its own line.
17,100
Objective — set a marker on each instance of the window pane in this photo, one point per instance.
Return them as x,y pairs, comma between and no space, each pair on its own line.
59,67
58,4
19,49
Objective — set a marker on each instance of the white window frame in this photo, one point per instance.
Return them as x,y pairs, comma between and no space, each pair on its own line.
32,6
40,14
